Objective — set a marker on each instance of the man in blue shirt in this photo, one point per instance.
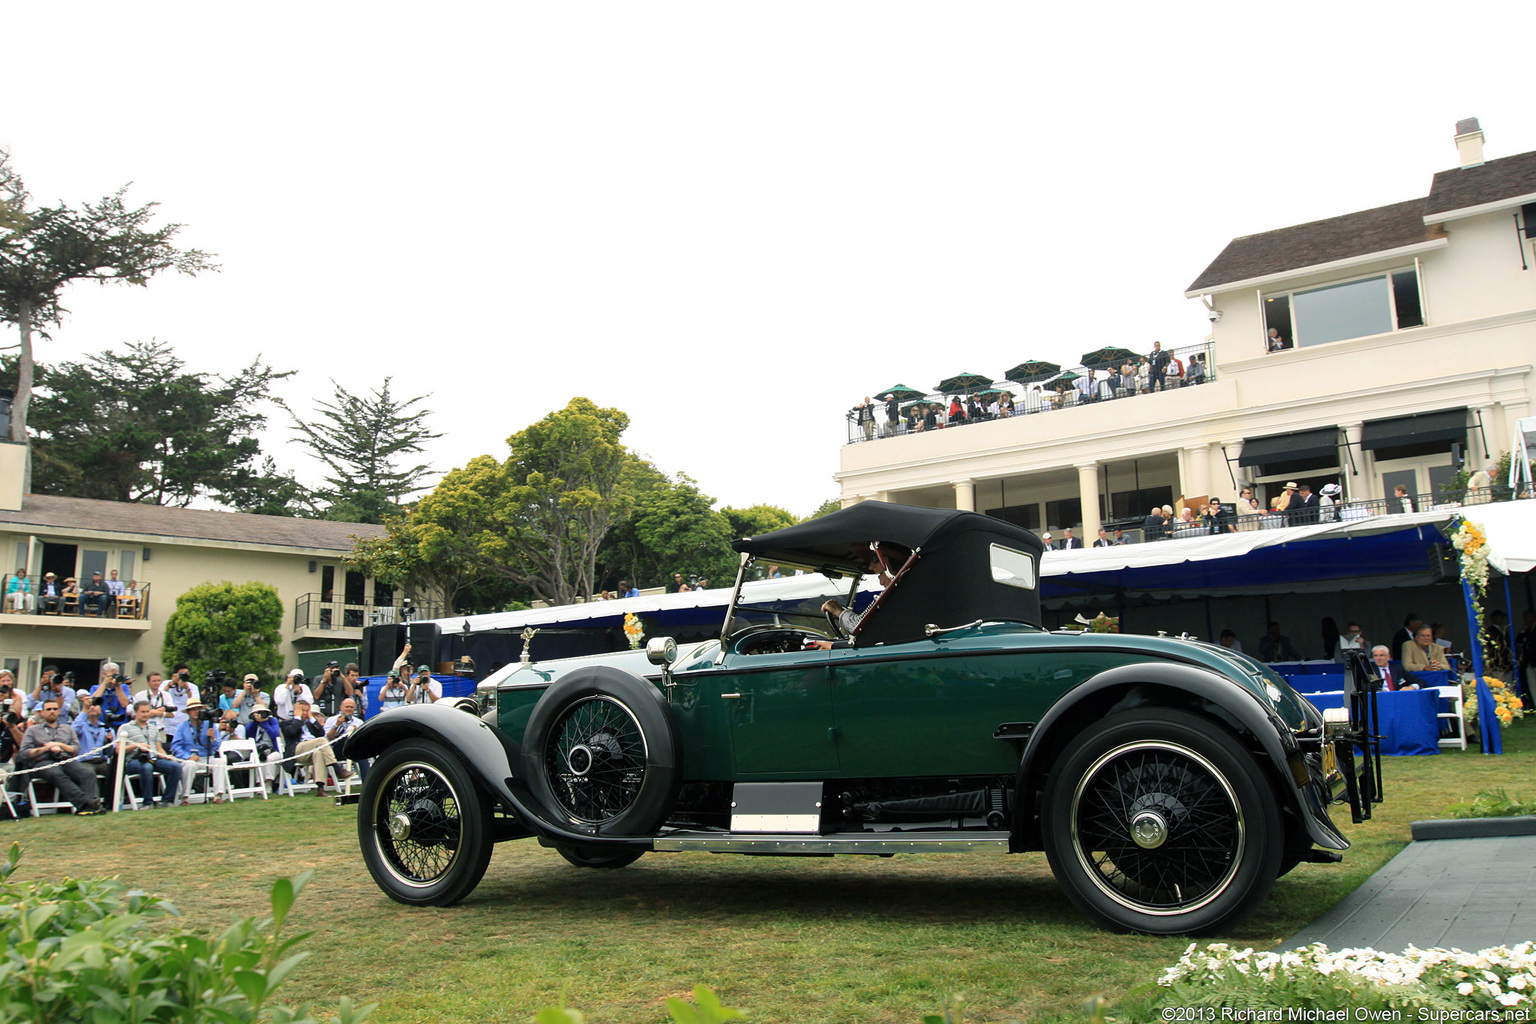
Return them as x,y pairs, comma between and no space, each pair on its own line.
94,732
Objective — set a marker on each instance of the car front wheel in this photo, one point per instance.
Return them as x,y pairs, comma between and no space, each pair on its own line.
1159,821
423,826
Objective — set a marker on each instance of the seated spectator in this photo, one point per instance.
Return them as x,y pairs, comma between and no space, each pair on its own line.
197,743
1247,505
263,728
1230,641
1153,526
1274,646
1496,652
1119,537
423,689
1196,374
69,594
1352,639
94,732
1103,541
49,744
339,727
95,595
144,750
18,592
1392,674
294,689
49,594
11,731
1422,654
304,740
1222,518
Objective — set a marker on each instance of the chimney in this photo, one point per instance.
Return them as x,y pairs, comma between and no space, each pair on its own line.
1469,142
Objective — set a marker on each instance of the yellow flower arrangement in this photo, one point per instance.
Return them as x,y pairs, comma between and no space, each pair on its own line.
1472,542
1507,706
633,629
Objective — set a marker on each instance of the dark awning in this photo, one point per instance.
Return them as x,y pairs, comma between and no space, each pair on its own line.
1303,444
1445,425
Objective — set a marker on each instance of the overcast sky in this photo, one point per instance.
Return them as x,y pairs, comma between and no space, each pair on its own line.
730,221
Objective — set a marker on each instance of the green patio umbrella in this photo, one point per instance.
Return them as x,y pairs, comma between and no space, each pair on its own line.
1031,370
964,382
900,392
1110,357
1063,382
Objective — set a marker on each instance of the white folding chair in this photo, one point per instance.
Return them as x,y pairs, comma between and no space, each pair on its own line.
1456,716
255,784
39,806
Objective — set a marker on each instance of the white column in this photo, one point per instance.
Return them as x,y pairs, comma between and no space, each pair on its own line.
1195,469
1088,493
965,495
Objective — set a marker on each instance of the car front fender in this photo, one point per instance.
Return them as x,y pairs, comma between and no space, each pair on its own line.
1154,683
490,757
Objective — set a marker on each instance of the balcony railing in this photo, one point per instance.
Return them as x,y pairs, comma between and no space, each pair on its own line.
1025,400
22,597
317,612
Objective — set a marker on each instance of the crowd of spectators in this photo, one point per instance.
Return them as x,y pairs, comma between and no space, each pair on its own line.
171,733
52,596
1159,370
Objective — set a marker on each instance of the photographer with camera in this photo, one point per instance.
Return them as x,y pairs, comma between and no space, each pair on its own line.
182,691
197,744
245,699
286,699
304,737
11,702
49,744
337,728
423,689
355,688
94,732
62,688
146,757
161,707
111,694
329,689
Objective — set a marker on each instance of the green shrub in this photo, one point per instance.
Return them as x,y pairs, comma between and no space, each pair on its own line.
94,951
1492,804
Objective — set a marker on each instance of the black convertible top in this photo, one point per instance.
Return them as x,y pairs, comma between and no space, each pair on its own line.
952,582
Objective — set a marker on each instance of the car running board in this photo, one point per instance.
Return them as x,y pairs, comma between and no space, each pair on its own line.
881,843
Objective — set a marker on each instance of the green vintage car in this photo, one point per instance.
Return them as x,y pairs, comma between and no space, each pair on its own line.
1169,781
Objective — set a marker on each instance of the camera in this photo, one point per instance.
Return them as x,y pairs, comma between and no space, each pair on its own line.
213,677
98,701
118,677
1215,315
184,676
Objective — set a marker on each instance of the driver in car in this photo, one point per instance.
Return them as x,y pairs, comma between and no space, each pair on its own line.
885,559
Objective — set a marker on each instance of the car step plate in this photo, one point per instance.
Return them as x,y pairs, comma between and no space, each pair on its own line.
838,842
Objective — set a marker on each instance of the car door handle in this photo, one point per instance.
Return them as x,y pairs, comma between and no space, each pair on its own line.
730,696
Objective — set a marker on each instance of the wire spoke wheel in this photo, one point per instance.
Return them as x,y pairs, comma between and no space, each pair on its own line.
417,820
596,759
423,825
1157,827
1162,821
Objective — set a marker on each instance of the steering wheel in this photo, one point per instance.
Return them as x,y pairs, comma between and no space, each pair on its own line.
834,624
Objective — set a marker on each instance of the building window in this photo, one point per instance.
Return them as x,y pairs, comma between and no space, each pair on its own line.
1350,309
1063,513
1012,568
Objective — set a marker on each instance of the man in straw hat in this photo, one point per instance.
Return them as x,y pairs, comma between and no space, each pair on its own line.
196,743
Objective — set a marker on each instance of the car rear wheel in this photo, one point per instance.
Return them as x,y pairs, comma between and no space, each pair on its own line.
423,826
1159,821
592,857
600,753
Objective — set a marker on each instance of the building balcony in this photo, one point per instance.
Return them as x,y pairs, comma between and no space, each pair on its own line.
317,617
22,607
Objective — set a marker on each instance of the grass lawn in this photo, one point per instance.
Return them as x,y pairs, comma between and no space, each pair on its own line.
784,939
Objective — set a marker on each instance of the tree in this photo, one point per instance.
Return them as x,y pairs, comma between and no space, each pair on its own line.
137,426
536,520
828,506
226,626
45,249
436,560
756,519
360,438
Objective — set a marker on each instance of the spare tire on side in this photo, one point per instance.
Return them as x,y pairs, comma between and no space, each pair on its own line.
601,753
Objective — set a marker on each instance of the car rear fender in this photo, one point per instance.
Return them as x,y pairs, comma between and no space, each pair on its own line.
486,753
1167,685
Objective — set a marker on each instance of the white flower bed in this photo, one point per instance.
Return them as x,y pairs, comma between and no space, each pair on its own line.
1500,978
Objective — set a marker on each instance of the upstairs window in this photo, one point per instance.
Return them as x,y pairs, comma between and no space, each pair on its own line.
1365,306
